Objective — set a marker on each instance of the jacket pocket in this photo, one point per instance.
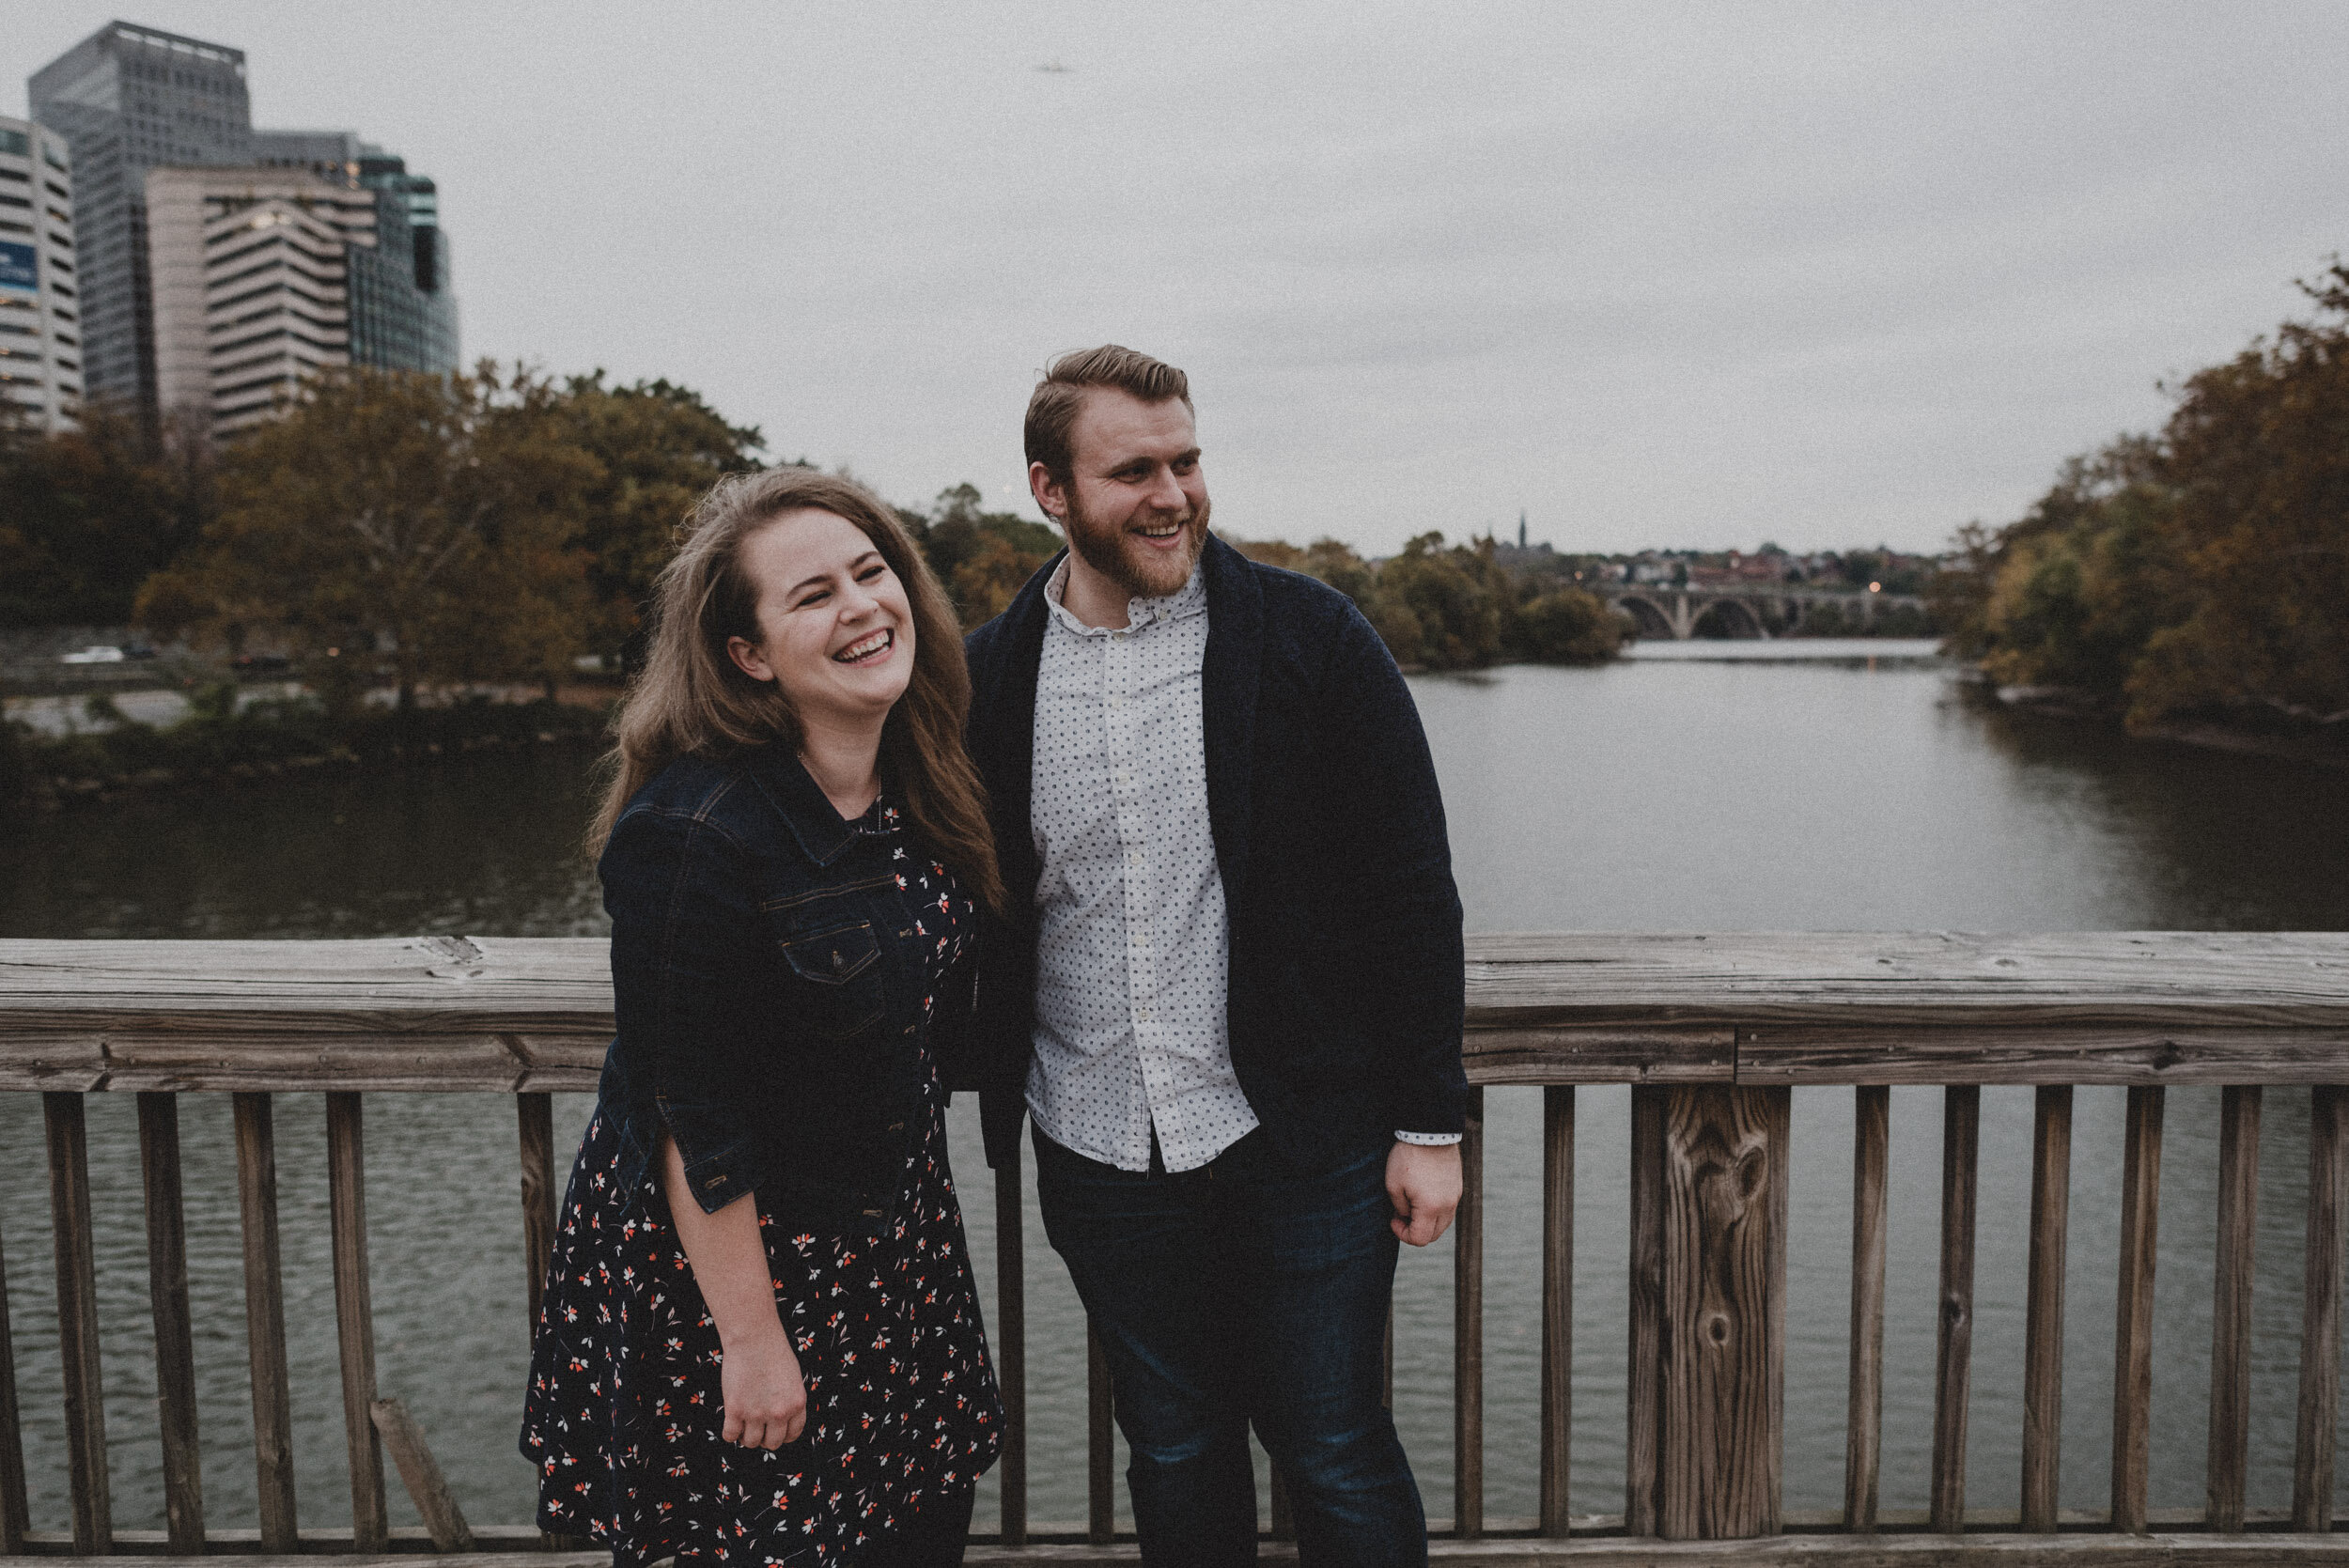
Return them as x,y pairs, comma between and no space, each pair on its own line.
839,968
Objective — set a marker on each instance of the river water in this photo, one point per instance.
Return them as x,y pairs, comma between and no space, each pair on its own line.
1820,787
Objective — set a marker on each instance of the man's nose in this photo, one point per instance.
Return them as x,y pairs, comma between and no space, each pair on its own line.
1167,492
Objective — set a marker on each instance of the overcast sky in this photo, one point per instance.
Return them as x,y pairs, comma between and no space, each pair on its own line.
1656,275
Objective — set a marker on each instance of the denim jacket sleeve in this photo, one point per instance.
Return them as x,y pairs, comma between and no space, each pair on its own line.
687,955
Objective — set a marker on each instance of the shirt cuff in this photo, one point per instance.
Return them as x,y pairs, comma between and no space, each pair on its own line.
1428,1140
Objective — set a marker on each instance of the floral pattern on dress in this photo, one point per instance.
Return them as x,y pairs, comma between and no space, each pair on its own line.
622,1417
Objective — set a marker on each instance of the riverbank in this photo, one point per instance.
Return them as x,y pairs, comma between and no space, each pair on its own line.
2317,740
225,737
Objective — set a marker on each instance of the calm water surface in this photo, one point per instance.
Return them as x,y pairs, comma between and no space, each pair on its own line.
1696,786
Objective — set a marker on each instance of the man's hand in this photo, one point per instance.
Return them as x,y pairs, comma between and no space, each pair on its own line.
1423,1183
766,1399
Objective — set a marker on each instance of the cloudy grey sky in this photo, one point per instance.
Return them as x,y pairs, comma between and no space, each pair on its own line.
1655,274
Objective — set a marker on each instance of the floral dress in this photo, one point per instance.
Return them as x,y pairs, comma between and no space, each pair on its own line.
622,1417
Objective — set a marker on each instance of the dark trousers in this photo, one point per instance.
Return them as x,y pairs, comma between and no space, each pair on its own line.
933,1538
1244,1291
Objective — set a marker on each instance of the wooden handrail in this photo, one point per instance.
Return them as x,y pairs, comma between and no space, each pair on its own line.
1712,1031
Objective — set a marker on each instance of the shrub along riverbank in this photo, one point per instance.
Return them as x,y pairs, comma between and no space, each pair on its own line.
219,742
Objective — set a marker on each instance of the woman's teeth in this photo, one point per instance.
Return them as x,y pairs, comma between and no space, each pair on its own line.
865,648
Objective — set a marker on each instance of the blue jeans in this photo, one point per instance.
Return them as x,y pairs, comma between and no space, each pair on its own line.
1244,1291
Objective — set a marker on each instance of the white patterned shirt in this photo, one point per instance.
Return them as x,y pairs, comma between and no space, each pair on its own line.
1131,931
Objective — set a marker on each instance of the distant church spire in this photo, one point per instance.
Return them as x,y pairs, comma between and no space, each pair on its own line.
1520,528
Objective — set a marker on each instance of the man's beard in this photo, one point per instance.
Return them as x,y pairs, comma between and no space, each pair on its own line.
1140,570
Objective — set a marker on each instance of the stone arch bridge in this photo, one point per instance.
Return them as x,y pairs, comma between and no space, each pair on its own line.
1744,609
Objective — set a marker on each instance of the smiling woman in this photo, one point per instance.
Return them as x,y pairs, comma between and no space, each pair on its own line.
784,850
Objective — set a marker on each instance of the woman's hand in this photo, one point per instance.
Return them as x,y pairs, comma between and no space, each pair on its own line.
765,1398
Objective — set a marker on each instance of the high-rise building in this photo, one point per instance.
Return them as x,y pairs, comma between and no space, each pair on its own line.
128,99
253,271
40,305
403,313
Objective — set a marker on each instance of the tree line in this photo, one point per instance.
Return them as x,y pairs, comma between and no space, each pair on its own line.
496,526
2198,572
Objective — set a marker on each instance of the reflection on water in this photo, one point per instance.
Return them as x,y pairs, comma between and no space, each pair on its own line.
1676,792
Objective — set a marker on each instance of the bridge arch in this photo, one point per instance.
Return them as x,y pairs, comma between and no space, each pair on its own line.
1651,618
1728,618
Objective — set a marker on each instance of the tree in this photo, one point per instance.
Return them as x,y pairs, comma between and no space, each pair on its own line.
658,446
429,522
983,558
86,515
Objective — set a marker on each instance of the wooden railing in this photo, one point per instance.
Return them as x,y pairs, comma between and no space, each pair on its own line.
1714,1033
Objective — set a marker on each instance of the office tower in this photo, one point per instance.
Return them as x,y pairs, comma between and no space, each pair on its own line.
40,327
129,99
403,313
252,272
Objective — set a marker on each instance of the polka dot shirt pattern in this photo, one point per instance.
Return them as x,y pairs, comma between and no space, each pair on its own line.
1131,930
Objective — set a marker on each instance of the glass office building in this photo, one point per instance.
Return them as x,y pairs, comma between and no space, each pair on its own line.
129,99
403,313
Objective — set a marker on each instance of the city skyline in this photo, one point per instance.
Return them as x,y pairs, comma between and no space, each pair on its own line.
1835,278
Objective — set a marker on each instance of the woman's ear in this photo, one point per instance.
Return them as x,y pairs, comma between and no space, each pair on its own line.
749,658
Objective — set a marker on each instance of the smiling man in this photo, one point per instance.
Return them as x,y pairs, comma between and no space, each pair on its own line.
1227,989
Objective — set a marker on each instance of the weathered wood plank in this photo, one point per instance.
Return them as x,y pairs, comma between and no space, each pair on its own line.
436,1505
1557,1412
354,1316
1961,1139
1101,1453
2320,1314
1721,1431
77,1322
1467,1330
533,1015
534,1117
265,1323
1864,1423
175,1328
2043,1309
2231,1306
1010,1346
15,1516
2133,1332
1644,1315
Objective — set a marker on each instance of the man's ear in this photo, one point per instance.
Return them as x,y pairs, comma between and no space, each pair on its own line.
1050,495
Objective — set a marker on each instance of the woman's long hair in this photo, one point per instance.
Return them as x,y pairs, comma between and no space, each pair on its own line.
693,700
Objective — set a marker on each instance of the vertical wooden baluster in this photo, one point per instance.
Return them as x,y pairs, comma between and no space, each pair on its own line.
77,1324
14,1504
2133,1333
1467,1332
534,1116
1643,1385
265,1325
1961,1136
1721,1452
1102,1458
1011,1347
2043,1312
1283,1517
1557,1309
2319,1313
354,1316
1864,1423
2231,1305
175,1331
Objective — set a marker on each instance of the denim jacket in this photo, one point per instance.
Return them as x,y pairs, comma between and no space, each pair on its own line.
769,991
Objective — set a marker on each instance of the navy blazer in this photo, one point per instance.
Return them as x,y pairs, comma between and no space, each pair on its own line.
1347,983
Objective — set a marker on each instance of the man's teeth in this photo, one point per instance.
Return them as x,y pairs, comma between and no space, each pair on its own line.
872,644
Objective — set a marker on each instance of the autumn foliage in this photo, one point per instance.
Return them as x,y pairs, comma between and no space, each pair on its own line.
2202,572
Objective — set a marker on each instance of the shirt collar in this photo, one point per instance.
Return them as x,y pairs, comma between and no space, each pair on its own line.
1188,600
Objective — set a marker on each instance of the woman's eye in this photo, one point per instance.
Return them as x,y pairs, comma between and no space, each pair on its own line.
869,573
817,597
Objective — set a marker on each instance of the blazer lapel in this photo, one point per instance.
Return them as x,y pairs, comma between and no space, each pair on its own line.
1228,699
